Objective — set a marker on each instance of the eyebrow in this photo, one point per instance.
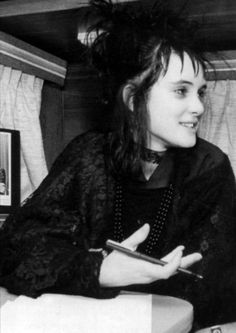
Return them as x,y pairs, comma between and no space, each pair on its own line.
204,86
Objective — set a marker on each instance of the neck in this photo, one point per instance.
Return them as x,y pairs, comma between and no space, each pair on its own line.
152,156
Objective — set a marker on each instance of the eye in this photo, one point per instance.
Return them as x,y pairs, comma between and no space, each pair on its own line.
181,91
202,93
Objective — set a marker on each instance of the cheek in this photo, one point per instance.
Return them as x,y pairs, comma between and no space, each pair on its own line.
164,110
164,114
159,123
157,109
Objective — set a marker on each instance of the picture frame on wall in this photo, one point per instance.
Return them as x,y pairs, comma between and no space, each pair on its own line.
9,170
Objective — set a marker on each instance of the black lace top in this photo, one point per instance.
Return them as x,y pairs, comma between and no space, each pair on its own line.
51,243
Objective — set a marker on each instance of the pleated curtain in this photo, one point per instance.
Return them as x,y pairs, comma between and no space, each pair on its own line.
218,124
20,101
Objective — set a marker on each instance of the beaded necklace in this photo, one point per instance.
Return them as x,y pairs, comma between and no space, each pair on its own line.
157,225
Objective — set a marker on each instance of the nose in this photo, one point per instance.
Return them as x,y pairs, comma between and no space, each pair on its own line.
197,106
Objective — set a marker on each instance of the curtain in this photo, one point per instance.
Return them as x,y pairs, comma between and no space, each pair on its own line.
4,163
218,124
20,101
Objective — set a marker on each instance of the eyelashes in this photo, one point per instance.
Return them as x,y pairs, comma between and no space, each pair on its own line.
202,93
183,91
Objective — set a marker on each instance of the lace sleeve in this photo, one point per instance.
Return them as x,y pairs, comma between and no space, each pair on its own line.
44,244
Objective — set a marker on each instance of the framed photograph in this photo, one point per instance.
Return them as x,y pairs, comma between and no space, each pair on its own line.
9,170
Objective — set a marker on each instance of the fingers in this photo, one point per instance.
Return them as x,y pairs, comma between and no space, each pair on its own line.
137,237
190,259
174,262
172,254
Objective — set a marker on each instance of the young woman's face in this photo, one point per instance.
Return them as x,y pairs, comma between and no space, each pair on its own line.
175,104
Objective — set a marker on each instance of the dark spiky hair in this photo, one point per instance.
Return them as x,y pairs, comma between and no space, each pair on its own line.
127,34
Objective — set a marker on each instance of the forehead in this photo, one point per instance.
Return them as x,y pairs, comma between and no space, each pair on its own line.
183,69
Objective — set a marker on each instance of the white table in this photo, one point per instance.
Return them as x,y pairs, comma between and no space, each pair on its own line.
127,313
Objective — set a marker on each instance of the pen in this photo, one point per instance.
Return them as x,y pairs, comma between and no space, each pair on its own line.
118,247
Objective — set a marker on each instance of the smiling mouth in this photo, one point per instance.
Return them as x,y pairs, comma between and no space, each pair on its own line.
189,124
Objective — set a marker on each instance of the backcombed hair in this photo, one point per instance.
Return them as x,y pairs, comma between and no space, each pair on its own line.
133,46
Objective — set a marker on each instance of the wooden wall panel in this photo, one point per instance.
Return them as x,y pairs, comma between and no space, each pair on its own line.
51,118
69,111
82,96
53,25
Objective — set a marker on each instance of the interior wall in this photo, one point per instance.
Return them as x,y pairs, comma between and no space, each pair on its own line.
51,119
82,97
69,111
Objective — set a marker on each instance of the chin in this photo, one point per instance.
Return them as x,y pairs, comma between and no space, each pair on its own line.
187,143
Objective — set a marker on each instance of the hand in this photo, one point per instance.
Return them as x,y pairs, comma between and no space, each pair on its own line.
119,269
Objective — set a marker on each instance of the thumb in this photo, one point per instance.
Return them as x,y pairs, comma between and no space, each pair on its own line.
137,237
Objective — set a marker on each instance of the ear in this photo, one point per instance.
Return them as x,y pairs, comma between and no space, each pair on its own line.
128,97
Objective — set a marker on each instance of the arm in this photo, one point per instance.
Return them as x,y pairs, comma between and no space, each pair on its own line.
44,245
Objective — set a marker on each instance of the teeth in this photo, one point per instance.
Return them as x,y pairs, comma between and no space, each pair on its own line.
190,125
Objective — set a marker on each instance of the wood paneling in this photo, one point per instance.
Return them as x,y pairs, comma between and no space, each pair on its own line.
224,65
82,96
54,32
53,25
25,7
52,121
22,56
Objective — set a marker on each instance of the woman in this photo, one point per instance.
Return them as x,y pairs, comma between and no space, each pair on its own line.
149,183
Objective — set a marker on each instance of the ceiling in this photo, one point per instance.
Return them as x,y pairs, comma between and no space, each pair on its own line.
52,25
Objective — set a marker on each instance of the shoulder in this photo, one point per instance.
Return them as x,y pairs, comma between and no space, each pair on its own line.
87,139
206,150
84,146
208,155
205,159
204,175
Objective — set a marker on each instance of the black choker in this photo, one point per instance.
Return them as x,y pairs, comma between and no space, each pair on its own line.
149,155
